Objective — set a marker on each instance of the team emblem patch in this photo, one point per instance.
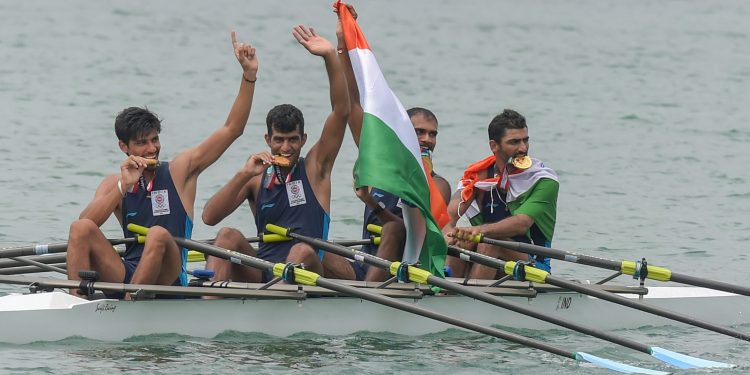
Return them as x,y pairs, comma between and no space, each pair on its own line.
160,202
296,193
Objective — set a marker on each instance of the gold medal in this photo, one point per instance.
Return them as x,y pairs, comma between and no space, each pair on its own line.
521,162
281,161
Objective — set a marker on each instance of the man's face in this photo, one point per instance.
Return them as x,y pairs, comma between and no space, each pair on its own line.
514,143
145,145
426,131
288,145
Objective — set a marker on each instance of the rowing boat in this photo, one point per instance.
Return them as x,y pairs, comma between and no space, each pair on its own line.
283,310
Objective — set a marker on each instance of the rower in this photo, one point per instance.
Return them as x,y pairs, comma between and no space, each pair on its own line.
155,194
283,188
506,195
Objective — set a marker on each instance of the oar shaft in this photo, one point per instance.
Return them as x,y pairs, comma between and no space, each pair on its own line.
607,296
46,259
711,284
45,249
352,242
43,266
664,274
236,257
26,269
41,249
555,254
414,309
499,302
484,297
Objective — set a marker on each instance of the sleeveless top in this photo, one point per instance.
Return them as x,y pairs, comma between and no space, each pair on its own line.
291,204
156,203
391,203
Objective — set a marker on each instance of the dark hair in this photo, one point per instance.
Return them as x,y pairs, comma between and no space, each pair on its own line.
424,112
509,119
285,118
135,121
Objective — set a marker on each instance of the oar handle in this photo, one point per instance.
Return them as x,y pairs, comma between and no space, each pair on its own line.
278,230
270,238
374,228
137,229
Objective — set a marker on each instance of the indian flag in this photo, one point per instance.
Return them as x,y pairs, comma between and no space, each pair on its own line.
389,154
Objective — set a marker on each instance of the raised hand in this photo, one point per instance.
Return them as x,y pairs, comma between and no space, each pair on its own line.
348,6
316,44
245,54
339,29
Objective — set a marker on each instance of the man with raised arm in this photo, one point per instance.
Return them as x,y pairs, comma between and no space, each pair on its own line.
505,196
154,194
382,208
284,188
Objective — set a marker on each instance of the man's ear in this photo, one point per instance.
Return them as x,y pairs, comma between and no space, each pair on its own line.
494,146
304,139
123,147
268,139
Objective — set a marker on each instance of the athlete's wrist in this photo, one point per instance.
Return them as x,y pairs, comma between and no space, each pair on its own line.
121,188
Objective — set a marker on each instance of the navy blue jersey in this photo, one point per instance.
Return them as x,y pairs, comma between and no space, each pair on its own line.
156,203
291,204
391,203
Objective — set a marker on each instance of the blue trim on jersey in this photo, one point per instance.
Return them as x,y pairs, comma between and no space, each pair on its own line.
326,226
184,251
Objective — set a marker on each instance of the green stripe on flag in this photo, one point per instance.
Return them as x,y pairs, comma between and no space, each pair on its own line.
384,162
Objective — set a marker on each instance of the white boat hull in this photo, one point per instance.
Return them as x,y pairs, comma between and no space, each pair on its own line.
55,315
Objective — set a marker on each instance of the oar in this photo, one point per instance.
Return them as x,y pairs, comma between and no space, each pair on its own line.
41,265
41,249
26,269
46,259
424,277
301,276
625,267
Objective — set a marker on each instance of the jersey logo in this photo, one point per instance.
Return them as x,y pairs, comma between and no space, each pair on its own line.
267,205
131,214
377,195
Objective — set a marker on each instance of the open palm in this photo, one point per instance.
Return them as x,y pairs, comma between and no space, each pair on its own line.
316,44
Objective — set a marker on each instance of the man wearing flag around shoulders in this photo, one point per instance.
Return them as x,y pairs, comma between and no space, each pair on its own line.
506,195
382,208
152,194
389,154
283,188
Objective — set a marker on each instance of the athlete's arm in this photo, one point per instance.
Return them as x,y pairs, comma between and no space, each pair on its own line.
444,187
322,155
106,200
511,226
236,191
193,161
356,113
111,191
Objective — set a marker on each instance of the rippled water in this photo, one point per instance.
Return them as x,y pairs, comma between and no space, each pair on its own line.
641,107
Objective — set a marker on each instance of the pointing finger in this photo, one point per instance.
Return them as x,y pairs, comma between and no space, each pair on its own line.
234,38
